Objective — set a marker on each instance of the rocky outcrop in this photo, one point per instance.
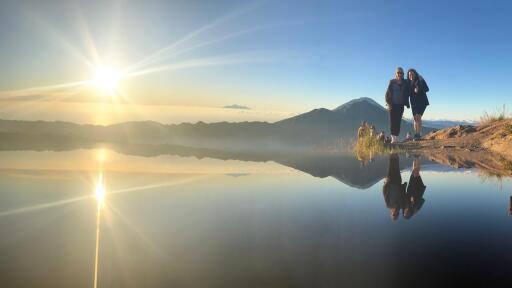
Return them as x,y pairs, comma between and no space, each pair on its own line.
487,147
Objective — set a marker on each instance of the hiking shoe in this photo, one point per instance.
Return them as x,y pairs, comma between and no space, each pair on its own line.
417,137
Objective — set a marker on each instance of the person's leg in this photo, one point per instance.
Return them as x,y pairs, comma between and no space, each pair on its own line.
392,123
399,115
419,124
417,128
394,169
396,124
395,116
418,114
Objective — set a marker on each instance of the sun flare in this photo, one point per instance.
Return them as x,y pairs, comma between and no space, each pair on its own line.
106,79
99,191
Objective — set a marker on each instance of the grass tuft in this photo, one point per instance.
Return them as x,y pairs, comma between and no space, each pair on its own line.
369,146
497,115
508,129
508,165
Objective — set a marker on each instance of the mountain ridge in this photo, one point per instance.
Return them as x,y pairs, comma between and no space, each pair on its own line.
318,127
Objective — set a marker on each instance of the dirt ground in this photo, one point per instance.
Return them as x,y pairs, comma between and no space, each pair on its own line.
487,147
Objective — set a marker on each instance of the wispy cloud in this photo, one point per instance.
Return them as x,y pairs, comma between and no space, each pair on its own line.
236,106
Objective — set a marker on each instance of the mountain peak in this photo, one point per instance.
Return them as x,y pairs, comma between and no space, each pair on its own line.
362,100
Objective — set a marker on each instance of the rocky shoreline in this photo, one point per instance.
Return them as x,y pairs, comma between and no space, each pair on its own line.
487,147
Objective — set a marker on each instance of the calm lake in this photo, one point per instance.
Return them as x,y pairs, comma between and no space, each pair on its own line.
99,218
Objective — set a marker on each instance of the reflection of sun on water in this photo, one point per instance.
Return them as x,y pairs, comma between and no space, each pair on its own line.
99,193
101,155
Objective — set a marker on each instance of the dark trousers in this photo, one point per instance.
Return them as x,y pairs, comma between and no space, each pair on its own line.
394,169
395,118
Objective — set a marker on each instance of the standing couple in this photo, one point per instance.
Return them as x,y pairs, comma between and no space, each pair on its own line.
397,96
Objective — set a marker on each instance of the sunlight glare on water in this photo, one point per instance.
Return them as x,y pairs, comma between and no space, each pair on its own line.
99,191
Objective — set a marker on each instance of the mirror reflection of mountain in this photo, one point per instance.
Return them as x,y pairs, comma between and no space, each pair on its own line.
345,168
341,166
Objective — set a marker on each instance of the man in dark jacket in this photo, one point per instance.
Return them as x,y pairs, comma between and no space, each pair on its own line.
397,96
393,189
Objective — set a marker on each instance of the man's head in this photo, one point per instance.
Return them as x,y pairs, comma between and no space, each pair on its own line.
399,73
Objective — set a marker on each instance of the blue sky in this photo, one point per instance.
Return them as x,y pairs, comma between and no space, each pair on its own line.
291,56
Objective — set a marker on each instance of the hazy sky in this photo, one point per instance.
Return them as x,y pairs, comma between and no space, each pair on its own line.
276,57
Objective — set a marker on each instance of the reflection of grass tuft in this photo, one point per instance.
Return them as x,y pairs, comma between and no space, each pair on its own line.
369,146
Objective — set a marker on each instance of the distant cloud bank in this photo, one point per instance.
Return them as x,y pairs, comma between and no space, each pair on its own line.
236,106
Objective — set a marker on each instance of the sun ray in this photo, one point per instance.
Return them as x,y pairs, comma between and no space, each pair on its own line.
115,24
42,89
159,185
55,35
140,234
55,95
170,55
87,38
217,40
42,206
195,63
225,38
117,244
155,55
128,104
40,103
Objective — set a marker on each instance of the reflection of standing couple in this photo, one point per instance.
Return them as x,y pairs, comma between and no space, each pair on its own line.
400,196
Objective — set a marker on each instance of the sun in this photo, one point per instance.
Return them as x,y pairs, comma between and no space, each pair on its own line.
106,79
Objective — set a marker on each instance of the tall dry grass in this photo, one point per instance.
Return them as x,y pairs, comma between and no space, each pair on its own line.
369,146
497,115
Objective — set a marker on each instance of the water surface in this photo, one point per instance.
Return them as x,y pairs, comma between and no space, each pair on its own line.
326,221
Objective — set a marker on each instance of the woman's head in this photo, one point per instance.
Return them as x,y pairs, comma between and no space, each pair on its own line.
412,74
399,73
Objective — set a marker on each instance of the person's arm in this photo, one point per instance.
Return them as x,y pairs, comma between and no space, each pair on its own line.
388,95
385,192
407,93
425,86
